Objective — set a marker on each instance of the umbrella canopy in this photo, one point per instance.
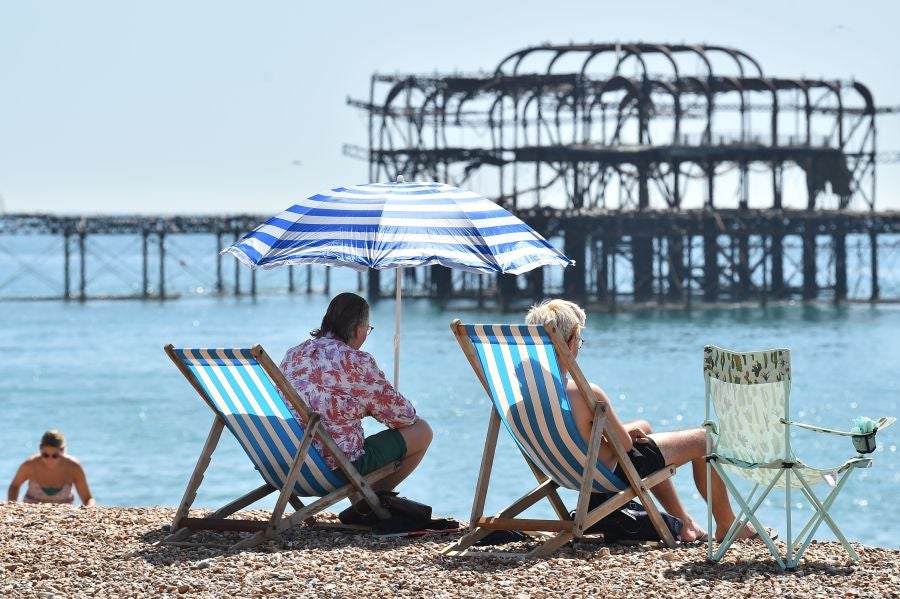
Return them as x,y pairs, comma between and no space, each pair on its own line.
396,225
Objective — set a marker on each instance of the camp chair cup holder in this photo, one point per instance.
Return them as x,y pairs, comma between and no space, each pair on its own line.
865,443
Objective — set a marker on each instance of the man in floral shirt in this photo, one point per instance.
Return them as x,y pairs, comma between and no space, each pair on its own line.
344,385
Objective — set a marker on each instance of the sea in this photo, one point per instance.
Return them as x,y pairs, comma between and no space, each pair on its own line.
97,371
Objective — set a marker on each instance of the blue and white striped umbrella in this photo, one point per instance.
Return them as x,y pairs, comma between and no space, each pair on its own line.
396,225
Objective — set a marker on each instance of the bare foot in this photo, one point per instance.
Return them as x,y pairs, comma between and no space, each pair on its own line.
691,531
747,532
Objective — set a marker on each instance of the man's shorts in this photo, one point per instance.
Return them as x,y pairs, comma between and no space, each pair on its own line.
380,449
646,457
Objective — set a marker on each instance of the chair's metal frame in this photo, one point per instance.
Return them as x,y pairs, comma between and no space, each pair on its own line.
564,528
783,472
183,526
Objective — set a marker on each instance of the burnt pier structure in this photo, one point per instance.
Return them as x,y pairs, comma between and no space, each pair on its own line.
670,172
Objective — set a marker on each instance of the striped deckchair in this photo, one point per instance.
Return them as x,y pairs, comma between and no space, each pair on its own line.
248,394
519,367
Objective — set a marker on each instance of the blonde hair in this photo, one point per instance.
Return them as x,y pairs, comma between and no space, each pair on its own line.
568,317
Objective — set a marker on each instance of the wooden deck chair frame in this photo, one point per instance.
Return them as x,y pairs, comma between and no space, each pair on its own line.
183,526
564,528
773,469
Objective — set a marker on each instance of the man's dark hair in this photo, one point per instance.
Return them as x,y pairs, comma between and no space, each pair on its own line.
345,312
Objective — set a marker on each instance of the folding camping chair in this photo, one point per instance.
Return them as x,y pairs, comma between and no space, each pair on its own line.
248,394
518,367
749,393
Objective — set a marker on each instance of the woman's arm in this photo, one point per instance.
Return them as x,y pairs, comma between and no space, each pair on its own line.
21,476
81,485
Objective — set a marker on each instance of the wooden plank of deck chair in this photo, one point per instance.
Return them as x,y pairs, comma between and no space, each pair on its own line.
493,523
208,523
618,449
272,525
546,487
277,379
190,492
462,338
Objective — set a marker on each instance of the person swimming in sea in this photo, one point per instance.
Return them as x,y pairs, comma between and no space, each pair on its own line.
51,474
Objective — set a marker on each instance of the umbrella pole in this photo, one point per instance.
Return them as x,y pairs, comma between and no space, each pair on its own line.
398,286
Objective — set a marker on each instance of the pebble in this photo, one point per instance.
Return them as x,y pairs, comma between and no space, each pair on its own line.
51,551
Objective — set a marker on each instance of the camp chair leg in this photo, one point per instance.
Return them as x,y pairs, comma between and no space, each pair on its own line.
822,514
746,513
190,493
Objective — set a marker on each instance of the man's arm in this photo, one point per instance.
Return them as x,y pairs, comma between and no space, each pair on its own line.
584,420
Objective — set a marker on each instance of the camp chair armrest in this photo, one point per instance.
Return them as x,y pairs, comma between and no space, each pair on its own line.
883,423
710,426
818,429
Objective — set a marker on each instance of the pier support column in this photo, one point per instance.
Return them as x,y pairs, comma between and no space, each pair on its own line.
145,268
743,240
575,249
441,283
374,285
675,258
506,285
840,262
220,285
777,257
82,279
642,246
710,258
237,268
873,248
536,284
162,265
810,289
67,294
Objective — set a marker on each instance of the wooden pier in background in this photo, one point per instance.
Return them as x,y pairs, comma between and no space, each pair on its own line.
674,257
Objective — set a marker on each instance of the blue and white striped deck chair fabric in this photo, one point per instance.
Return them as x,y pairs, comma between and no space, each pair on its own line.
528,391
519,367
248,394
243,394
749,435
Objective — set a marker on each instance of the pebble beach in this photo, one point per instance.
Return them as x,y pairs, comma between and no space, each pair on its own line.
50,551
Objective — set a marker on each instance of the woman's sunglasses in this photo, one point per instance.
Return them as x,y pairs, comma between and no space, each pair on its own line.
52,456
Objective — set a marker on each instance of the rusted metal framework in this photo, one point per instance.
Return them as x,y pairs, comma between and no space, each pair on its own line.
684,166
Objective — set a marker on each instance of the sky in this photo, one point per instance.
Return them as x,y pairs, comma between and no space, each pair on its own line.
170,107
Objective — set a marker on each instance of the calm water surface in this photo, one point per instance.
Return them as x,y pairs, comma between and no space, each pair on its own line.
97,371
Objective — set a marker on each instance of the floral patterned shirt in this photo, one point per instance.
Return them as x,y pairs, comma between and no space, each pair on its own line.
344,385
